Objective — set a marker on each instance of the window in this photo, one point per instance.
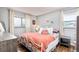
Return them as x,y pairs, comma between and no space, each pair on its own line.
70,21
19,22
23,22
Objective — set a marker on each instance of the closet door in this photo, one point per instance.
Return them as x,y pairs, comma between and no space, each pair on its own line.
78,34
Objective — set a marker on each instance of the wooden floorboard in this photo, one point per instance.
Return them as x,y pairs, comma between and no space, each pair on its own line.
59,48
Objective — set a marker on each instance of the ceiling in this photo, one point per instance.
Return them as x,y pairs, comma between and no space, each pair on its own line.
36,10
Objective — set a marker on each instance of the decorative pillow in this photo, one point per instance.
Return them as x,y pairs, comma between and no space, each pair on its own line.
44,32
50,30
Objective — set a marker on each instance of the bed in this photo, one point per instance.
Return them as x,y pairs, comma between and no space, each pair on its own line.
37,42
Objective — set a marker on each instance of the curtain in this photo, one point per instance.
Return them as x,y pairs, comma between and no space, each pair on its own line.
28,24
11,21
61,23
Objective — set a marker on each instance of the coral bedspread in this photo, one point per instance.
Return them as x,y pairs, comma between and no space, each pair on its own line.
42,39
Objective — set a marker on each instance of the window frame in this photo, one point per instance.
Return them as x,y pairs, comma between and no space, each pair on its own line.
21,26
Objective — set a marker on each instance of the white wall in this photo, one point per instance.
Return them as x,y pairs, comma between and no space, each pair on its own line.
54,16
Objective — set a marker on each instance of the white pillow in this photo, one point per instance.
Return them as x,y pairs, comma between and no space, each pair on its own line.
50,30
1,28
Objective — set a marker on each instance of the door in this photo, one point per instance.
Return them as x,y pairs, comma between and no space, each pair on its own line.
77,34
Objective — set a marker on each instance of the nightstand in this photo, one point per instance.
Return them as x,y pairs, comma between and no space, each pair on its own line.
65,41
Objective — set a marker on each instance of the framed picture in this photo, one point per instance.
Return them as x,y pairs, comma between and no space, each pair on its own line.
33,22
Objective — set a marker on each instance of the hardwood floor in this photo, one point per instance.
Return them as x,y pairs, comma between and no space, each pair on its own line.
59,48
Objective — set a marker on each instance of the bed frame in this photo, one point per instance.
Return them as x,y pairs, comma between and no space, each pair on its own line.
31,45
53,45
